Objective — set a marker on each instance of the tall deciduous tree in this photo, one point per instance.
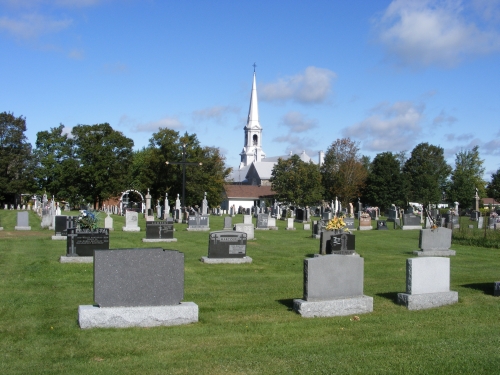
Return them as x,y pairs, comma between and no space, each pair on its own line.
466,177
426,173
385,183
104,156
343,172
493,188
56,168
15,155
151,171
296,182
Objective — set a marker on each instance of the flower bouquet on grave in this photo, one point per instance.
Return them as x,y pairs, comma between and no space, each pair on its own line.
337,224
365,215
88,220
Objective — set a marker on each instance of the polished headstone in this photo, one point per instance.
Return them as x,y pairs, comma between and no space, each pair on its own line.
227,244
83,242
138,277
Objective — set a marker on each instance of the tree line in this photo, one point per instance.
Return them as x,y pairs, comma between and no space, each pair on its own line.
93,163
390,178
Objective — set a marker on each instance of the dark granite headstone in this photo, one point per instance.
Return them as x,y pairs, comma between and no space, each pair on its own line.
63,223
83,242
411,219
299,214
159,229
138,277
262,221
342,244
349,223
228,244
382,225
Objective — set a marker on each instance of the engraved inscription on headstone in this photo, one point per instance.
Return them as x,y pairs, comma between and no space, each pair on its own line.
262,221
228,244
159,230
198,221
83,242
342,244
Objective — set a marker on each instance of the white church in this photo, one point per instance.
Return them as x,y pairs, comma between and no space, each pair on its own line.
249,183
255,167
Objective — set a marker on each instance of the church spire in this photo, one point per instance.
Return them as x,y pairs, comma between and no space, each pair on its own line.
252,149
253,110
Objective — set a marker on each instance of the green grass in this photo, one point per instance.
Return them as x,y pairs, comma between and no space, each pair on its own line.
246,325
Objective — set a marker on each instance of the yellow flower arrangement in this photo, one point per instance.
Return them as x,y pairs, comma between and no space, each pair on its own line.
336,223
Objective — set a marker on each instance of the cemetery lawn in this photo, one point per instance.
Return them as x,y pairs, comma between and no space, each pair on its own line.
246,323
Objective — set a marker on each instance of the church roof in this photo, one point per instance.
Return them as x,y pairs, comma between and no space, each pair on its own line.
248,191
303,156
263,169
239,175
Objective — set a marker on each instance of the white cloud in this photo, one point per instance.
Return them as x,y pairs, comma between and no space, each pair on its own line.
153,126
420,33
389,127
31,26
311,86
298,144
297,123
217,113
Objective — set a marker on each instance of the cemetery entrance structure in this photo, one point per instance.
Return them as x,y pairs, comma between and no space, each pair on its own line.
127,203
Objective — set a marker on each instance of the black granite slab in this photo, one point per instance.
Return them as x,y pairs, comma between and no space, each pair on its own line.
159,229
227,244
83,242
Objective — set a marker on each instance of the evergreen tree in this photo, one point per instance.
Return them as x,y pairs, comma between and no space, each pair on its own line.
493,188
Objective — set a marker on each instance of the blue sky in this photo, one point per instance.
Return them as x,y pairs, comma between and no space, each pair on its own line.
387,74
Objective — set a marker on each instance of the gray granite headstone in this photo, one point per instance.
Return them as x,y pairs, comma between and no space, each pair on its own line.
333,276
228,222
382,225
262,221
247,228
435,242
23,219
138,277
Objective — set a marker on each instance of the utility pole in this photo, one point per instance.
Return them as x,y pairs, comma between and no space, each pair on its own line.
183,163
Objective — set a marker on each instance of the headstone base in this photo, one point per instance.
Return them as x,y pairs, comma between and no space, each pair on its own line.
262,228
290,228
126,229
354,254
317,236
410,227
198,229
273,228
22,228
336,307
67,259
59,238
496,288
227,228
159,240
427,300
226,260
143,316
365,228
435,253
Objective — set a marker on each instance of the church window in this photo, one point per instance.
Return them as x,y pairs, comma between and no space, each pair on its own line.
255,139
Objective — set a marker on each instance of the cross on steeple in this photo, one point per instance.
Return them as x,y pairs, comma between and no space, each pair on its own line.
254,66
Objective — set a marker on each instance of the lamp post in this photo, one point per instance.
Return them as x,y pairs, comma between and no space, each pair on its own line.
183,163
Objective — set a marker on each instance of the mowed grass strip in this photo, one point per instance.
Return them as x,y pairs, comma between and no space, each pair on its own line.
246,325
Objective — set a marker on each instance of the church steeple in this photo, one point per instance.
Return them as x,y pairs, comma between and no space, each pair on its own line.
252,149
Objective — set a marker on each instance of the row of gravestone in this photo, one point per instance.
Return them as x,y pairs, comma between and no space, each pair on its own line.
332,284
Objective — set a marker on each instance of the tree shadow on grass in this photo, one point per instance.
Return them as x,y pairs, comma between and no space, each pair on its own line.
288,303
392,296
486,288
